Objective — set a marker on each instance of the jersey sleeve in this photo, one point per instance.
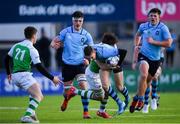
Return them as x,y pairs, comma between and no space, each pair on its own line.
105,51
62,35
140,29
10,53
34,56
89,39
166,34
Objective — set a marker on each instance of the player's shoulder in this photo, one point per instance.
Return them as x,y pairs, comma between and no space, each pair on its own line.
68,29
162,25
144,25
85,32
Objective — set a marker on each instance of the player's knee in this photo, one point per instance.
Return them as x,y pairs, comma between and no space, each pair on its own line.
106,88
41,97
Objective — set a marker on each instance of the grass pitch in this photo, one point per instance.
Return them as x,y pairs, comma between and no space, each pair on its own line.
12,108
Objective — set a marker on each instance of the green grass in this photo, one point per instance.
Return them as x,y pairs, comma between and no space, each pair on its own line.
12,108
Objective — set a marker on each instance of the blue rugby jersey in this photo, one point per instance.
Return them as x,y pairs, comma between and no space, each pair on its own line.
74,42
159,32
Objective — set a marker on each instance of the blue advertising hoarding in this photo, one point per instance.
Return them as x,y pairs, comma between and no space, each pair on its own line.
47,86
12,11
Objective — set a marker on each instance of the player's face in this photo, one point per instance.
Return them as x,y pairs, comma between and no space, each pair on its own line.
154,18
34,38
77,23
92,56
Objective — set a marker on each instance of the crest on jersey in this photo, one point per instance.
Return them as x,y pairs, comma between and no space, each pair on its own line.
82,39
157,32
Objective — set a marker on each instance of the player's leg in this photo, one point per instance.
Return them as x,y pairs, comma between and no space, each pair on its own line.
104,76
68,74
81,78
36,97
119,81
138,99
102,110
25,81
146,100
155,71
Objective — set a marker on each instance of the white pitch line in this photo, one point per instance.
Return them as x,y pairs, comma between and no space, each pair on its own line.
11,108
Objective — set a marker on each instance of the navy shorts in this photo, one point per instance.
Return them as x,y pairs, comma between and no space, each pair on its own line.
153,65
69,72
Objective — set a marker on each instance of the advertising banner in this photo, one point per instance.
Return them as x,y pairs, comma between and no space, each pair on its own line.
47,86
12,11
170,9
168,82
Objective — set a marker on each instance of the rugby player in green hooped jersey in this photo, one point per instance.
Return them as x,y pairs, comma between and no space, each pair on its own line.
96,91
22,55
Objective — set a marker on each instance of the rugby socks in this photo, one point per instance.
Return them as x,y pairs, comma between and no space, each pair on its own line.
146,96
125,94
85,93
33,104
103,103
154,88
85,103
114,95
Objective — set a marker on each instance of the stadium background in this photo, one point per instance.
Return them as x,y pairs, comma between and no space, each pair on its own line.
121,17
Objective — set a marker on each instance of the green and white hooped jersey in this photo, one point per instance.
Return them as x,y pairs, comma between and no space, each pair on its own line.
23,54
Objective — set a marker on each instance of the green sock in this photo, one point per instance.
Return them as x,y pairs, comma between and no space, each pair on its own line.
33,104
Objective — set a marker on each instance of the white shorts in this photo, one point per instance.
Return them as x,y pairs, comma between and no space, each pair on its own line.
93,79
23,79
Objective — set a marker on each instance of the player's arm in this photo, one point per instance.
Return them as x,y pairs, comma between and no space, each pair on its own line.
56,43
166,35
165,43
137,40
122,53
7,66
36,61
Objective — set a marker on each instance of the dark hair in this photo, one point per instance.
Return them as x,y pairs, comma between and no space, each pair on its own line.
109,38
78,14
29,32
88,50
155,10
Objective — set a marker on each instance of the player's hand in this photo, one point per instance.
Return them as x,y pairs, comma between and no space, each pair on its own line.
56,80
150,40
85,62
55,43
9,78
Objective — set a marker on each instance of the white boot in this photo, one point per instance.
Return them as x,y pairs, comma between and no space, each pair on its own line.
28,119
145,109
154,104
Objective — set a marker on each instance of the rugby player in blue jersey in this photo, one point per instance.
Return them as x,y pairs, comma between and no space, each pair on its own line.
73,39
154,35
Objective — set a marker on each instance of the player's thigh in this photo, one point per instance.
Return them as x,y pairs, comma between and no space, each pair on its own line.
35,91
104,75
143,68
93,79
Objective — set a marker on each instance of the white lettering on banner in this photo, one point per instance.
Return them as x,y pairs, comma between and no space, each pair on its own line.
130,80
10,87
175,78
32,10
60,9
52,10
68,10
165,79
165,7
